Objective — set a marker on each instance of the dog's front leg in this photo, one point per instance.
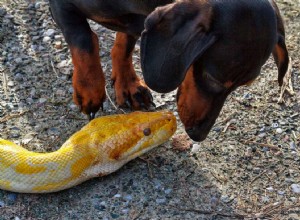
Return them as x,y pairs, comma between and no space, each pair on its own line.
130,90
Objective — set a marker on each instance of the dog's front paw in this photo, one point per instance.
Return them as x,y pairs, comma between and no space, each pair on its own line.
133,93
89,94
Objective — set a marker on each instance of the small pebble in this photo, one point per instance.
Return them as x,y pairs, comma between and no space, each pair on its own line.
217,129
161,201
49,32
117,196
74,107
157,184
168,191
12,198
279,130
10,83
292,146
42,100
19,77
53,131
2,204
225,198
128,197
265,199
46,39
256,189
294,199
262,129
256,170
270,189
8,16
261,135
60,92
29,100
58,44
2,12
294,216
265,149
37,5
114,216
248,152
35,38
103,203
19,60
294,153
15,135
195,148
247,96
34,47
214,201
57,37
62,64
125,211
289,180
295,188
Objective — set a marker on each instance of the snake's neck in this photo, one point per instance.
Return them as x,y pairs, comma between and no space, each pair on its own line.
26,171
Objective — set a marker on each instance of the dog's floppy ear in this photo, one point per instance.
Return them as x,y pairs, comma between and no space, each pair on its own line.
174,36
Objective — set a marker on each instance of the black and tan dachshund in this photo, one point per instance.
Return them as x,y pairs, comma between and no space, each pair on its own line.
205,48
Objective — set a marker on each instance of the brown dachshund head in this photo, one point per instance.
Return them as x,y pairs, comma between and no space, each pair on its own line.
207,49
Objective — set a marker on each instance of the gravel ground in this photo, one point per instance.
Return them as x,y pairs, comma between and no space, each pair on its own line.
247,168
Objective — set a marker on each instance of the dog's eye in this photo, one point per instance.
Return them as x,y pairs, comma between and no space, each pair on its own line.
212,84
147,131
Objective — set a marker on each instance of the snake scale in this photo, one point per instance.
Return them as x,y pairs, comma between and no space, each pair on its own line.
101,147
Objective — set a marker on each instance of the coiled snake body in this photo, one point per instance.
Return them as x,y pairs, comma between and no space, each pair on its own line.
99,148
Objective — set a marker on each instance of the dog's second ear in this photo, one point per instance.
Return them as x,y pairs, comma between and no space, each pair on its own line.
174,36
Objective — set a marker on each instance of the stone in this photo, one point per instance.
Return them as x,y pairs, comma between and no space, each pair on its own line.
195,148
49,33
270,189
62,64
10,83
42,100
279,130
46,39
295,188
161,201
58,44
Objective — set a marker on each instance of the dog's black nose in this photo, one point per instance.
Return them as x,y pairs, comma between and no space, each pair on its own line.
196,133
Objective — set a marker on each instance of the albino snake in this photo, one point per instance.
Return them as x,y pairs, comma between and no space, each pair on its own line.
99,148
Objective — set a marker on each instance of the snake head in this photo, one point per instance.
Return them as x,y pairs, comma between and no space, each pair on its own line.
144,132
118,139
111,141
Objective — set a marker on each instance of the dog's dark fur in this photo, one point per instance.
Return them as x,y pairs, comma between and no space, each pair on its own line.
207,48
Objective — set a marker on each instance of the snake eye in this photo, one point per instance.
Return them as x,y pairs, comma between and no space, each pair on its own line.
147,131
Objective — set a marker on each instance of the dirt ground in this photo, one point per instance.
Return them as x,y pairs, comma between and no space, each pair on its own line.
247,168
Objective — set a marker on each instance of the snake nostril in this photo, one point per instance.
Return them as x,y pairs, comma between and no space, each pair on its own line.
147,131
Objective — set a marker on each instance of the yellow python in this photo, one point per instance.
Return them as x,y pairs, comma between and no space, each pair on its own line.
99,148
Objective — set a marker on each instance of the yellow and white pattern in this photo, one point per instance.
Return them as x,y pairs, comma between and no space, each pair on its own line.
99,148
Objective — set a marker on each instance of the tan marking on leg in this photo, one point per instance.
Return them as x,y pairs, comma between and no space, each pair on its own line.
88,77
